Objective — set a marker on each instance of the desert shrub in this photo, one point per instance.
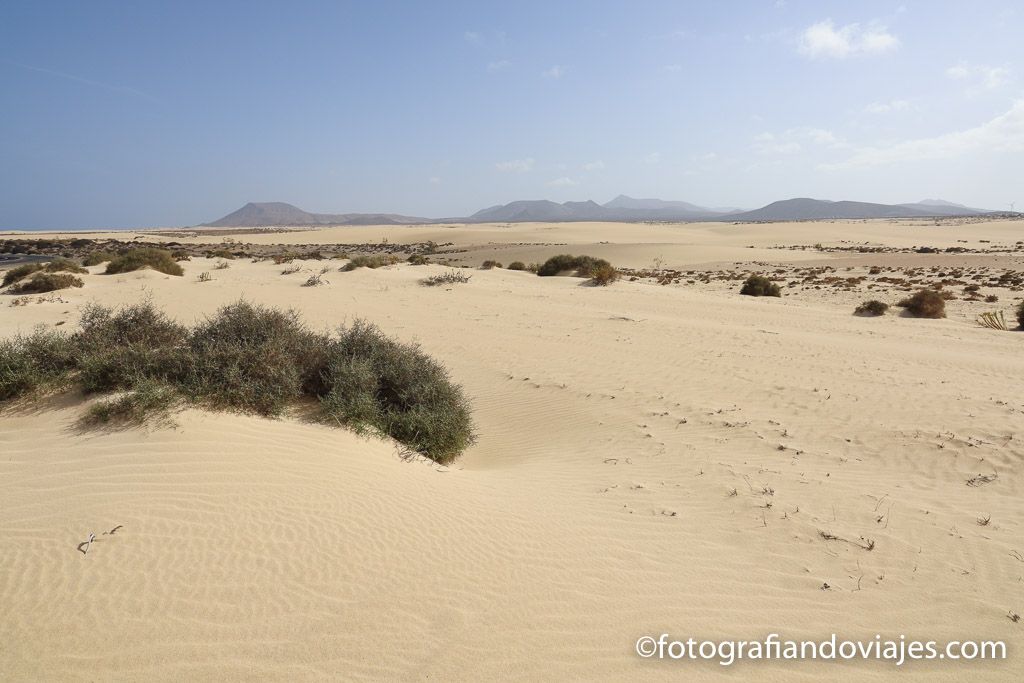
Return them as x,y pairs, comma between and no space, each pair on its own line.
220,253
292,269
64,265
374,381
315,280
221,265
204,277
46,282
581,266
95,258
1020,314
451,277
874,270
991,299
418,260
20,272
604,275
517,265
372,261
925,303
146,400
759,285
870,308
488,265
144,257
38,361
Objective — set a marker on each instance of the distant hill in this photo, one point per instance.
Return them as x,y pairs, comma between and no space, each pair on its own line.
803,209
622,209
279,214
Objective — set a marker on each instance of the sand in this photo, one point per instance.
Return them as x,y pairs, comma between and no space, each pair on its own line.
650,460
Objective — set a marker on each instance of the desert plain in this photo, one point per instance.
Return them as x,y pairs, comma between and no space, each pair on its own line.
661,455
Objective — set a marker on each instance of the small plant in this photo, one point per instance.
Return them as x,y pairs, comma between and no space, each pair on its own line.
580,266
925,303
871,308
372,261
517,265
1020,315
993,320
147,401
488,265
222,265
991,299
46,282
204,277
291,270
604,275
418,260
136,259
451,277
759,285
315,280
221,254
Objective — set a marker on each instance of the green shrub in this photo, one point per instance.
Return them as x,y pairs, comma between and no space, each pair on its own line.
97,257
63,265
145,257
20,272
581,266
372,261
220,253
604,275
248,358
759,285
871,308
517,265
46,282
925,303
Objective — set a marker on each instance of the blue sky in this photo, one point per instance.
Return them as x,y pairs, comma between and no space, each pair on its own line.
127,114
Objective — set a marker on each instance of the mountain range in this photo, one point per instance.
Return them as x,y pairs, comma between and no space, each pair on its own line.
620,209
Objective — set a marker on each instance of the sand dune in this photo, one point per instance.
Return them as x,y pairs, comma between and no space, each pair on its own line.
650,459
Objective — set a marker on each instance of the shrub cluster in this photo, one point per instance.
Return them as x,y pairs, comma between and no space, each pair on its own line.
580,266
871,308
759,285
144,257
517,265
925,303
372,261
60,265
451,277
489,264
603,275
46,282
95,258
248,358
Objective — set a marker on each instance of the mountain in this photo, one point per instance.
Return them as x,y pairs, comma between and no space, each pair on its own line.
622,208
279,214
944,208
817,209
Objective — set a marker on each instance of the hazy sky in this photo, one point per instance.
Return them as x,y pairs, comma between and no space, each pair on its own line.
174,113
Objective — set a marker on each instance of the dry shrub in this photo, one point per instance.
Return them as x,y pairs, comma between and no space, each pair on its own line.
925,303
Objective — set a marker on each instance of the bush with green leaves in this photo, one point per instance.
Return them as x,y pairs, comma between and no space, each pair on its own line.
517,265
59,265
371,261
871,308
95,258
925,303
248,358
759,285
580,266
604,275
145,257
43,282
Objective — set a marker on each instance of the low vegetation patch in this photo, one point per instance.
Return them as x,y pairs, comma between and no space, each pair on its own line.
488,265
41,283
95,258
60,265
372,261
580,266
759,285
247,358
145,257
872,308
517,265
418,260
604,275
451,277
925,303
1020,315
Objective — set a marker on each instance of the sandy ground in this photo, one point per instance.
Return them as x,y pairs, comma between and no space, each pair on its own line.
650,460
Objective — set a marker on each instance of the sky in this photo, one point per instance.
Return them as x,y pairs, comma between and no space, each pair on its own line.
131,114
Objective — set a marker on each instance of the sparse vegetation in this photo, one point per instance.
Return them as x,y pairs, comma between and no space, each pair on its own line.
871,308
580,266
247,358
603,275
205,277
372,261
145,257
994,320
221,254
450,277
95,258
43,282
488,265
55,266
292,269
418,260
222,265
315,280
759,285
22,271
925,303
517,265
